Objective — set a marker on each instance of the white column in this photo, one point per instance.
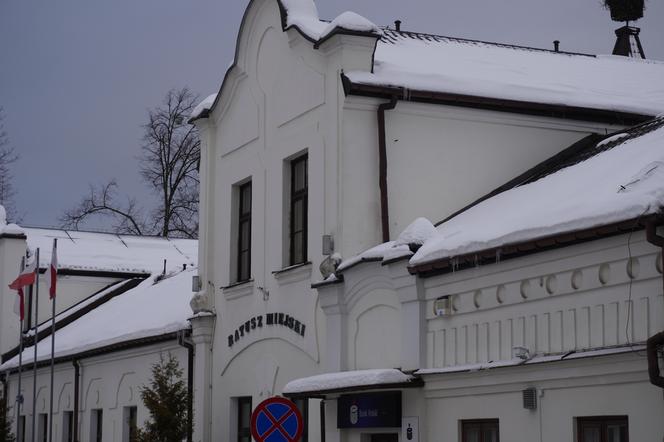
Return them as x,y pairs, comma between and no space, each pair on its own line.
331,301
202,332
413,317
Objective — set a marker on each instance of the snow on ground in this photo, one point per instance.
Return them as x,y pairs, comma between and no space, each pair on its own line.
145,311
346,379
472,68
203,106
619,184
111,252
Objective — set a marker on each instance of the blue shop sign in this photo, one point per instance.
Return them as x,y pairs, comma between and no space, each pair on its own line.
369,410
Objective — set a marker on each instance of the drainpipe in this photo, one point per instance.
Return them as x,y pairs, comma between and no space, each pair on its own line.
184,342
77,381
382,166
656,341
322,420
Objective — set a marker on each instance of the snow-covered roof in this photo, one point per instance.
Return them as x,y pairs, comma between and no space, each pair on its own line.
427,62
112,253
616,180
146,311
204,106
540,359
347,380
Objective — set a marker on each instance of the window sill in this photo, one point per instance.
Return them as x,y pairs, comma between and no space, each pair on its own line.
238,289
294,273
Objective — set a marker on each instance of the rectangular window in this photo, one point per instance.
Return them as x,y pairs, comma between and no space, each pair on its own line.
244,419
42,428
130,424
96,425
303,406
602,429
299,194
480,430
244,233
20,429
68,426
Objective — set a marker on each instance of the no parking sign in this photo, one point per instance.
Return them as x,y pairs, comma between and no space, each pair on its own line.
276,420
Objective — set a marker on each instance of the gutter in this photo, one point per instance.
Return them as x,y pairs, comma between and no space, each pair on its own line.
495,104
184,341
516,250
656,342
382,166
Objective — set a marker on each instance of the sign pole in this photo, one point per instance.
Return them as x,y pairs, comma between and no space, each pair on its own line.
52,295
19,395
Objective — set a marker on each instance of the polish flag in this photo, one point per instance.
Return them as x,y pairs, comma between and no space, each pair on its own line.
26,278
52,273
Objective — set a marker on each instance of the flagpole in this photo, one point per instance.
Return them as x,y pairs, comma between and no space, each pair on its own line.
19,395
51,293
34,362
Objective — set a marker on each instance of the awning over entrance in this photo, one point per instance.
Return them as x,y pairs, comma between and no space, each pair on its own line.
347,381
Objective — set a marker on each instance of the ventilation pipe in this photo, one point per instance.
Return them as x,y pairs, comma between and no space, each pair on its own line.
556,45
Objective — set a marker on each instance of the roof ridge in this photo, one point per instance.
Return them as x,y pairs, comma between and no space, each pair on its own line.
437,37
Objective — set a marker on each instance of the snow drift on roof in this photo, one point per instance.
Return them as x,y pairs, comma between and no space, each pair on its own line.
203,106
448,65
145,311
350,21
9,229
620,183
346,379
112,253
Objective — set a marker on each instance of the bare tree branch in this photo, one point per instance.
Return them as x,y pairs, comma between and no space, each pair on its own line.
7,157
101,201
169,160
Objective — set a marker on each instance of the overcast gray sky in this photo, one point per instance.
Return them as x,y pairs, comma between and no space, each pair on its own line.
77,76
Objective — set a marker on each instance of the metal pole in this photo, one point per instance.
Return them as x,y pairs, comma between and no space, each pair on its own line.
34,362
50,408
19,395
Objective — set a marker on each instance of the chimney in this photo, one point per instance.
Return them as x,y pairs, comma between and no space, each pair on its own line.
628,43
397,25
556,45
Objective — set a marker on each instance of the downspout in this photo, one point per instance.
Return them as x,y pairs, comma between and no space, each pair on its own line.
77,381
322,420
184,342
656,341
382,166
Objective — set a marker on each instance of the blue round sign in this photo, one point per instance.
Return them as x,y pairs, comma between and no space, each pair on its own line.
276,420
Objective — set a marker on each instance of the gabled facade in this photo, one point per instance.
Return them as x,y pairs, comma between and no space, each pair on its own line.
318,142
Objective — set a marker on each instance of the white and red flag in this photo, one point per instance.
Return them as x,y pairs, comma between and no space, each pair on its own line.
25,278
52,273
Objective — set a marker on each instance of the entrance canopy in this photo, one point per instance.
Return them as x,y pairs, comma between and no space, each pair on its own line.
347,381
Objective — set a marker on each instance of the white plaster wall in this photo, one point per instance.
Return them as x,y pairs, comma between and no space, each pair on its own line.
11,251
614,385
576,298
110,382
440,158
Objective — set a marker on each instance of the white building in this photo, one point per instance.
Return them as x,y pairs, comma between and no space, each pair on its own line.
332,137
525,316
123,302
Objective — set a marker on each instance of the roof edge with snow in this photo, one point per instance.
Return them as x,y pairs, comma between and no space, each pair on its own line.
350,381
533,108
